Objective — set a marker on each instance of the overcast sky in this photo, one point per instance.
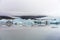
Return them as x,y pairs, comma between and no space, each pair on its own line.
30,7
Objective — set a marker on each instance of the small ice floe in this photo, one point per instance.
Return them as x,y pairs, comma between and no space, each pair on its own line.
54,27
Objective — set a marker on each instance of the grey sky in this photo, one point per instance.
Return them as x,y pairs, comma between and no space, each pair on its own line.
30,7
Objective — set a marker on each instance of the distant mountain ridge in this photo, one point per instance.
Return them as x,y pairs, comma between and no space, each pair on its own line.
6,17
30,17
23,17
